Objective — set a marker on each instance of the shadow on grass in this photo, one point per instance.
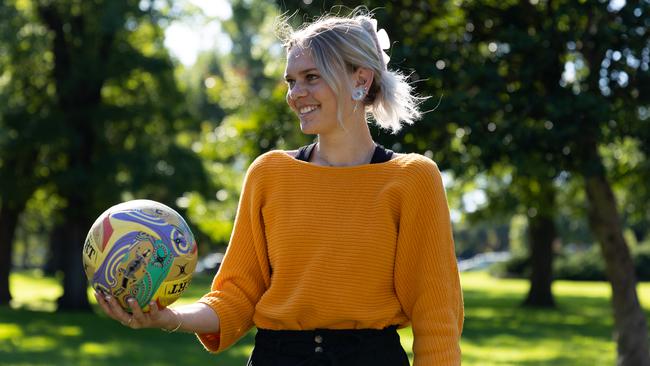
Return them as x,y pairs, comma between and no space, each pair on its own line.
582,316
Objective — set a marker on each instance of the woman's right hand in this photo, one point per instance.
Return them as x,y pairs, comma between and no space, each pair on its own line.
164,318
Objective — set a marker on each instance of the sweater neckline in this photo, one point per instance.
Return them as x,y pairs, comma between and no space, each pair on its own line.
394,161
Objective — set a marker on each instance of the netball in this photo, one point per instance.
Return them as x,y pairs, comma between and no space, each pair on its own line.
140,249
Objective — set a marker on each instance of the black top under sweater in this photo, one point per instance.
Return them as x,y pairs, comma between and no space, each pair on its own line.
381,154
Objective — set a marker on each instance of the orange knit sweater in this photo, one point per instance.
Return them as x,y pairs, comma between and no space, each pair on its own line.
356,247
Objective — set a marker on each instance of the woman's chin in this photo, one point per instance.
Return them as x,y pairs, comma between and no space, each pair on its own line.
317,126
307,127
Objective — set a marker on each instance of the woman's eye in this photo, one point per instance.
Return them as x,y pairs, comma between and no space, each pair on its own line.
311,77
290,82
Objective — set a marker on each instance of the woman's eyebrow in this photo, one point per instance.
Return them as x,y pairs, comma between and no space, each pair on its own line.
306,71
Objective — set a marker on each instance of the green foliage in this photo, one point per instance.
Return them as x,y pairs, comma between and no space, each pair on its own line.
641,255
629,169
518,266
36,223
26,97
584,264
587,265
481,237
518,241
240,100
92,118
134,122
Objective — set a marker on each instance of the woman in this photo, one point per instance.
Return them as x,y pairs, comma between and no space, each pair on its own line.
339,243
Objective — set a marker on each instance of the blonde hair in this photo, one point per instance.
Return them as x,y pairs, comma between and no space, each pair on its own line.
339,46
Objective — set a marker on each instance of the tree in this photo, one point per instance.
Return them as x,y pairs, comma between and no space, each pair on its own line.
23,93
240,98
528,49
117,112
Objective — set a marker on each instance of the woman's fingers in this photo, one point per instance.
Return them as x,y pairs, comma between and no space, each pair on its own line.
153,309
106,306
138,318
113,309
153,313
119,313
156,315
102,303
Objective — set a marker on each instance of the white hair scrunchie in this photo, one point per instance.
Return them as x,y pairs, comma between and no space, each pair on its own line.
383,42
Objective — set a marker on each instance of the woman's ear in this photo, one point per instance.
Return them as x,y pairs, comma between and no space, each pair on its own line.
363,78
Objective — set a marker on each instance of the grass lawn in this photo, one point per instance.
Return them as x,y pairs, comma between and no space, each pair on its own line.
497,331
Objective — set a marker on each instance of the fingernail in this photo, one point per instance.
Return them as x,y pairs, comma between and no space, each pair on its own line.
108,298
130,300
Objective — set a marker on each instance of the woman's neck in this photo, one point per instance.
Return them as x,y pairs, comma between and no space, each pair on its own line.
347,148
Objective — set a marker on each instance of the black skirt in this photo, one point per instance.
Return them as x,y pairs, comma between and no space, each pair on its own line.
326,347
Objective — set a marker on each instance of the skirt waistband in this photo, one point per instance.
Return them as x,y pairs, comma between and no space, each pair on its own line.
328,347
308,341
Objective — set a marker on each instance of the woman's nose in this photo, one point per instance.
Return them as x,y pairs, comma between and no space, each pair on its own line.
297,91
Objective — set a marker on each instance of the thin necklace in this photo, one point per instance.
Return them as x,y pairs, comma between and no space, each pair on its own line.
367,159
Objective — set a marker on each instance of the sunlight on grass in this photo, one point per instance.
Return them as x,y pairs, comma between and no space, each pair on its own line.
483,281
582,289
99,349
9,331
31,290
69,331
501,352
643,290
243,351
406,339
510,350
36,343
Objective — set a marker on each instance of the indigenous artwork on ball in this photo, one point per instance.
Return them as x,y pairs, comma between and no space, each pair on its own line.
140,249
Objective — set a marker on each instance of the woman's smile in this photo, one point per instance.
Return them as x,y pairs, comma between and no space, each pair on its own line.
307,109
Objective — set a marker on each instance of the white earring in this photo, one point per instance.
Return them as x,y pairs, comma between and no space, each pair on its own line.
358,93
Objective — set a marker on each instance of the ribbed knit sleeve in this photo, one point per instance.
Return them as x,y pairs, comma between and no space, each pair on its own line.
244,274
426,274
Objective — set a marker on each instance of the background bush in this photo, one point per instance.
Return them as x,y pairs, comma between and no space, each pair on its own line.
575,265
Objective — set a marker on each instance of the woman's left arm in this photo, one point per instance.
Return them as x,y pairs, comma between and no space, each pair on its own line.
426,272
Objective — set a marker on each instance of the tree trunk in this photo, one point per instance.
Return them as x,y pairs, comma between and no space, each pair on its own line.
55,250
75,285
8,222
631,332
78,89
541,236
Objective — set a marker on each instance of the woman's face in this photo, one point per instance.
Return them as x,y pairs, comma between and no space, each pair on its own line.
309,96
